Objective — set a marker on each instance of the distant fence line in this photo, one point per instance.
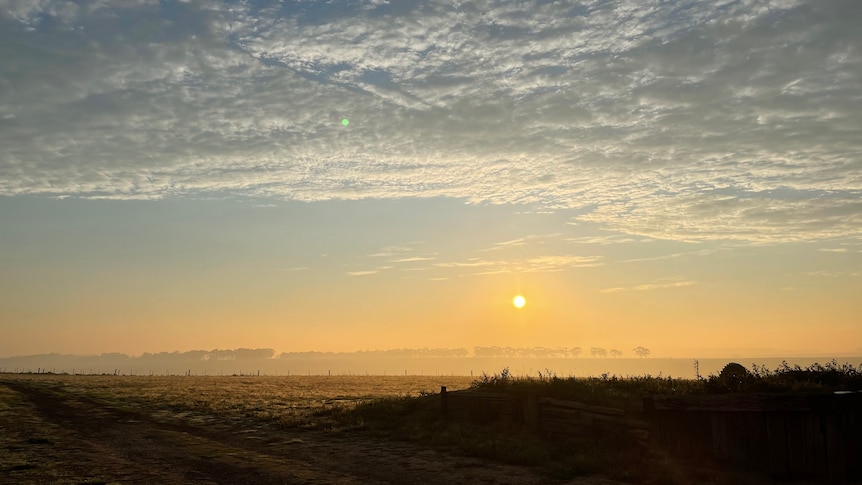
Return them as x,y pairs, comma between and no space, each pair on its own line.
428,366
221,372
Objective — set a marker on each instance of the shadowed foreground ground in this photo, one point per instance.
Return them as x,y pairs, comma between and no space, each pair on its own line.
50,435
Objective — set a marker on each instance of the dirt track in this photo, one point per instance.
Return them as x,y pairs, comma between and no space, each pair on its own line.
48,435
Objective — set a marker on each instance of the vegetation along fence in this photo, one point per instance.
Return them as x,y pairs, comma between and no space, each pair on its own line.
786,435
541,413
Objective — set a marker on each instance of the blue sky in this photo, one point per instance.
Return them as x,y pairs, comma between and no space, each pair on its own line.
597,148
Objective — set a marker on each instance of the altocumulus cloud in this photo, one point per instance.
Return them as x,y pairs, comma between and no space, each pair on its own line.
682,119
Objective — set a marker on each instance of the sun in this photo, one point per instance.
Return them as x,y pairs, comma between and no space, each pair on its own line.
519,301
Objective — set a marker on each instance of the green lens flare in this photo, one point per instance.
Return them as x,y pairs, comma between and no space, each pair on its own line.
345,122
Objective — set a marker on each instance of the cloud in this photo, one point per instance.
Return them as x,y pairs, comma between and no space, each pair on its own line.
603,240
390,251
362,273
445,267
702,252
554,262
650,286
469,263
521,241
402,254
654,286
616,289
507,244
537,264
729,120
750,217
412,259
824,273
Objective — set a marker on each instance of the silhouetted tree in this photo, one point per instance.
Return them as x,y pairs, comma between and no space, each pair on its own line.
598,352
641,351
615,353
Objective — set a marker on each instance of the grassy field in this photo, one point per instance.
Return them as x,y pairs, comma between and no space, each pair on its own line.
305,429
104,429
289,401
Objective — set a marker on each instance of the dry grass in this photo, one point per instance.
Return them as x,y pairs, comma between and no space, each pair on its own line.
78,429
289,401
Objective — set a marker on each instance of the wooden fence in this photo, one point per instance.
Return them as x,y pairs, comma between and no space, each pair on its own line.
785,435
540,413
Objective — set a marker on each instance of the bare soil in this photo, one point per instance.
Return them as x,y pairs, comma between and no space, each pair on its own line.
51,435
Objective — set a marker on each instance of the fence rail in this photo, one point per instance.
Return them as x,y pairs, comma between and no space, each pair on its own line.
787,435
554,416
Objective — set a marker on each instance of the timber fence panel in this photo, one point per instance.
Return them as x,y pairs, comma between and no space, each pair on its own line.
788,435
548,415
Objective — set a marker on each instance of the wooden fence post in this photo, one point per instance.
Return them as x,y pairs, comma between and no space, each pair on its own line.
648,403
531,411
518,407
834,451
444,401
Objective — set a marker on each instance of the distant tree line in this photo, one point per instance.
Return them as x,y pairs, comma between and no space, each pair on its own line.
423,352
205,355
262,358
526,351
556,352
260,354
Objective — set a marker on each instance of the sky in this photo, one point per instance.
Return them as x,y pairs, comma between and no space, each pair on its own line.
680,175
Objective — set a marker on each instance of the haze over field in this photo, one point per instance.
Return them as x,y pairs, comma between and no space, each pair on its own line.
401,362
683,176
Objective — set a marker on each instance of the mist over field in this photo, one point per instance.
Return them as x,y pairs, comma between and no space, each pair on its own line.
460,362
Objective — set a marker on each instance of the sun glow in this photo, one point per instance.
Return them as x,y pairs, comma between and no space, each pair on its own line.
519,301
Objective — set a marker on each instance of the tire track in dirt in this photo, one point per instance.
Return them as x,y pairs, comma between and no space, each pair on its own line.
131,448
96,440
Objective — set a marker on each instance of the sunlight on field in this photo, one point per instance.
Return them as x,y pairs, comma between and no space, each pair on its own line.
281,399
105,429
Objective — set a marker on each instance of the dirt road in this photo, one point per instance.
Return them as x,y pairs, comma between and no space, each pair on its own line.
48,435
